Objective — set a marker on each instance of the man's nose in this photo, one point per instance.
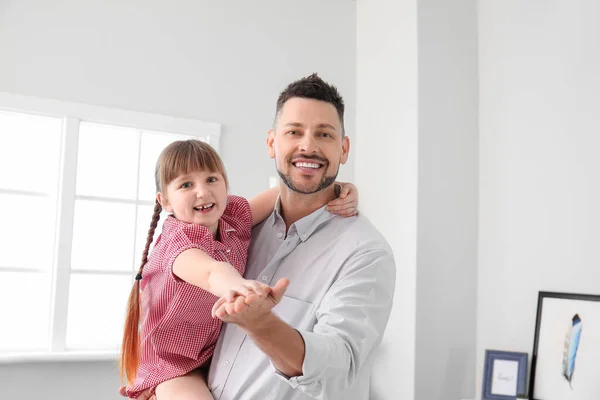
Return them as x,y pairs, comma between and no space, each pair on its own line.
308,144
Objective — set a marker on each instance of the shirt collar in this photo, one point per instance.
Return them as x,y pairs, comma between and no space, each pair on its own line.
304,226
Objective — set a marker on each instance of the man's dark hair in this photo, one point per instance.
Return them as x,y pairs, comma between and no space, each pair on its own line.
313,87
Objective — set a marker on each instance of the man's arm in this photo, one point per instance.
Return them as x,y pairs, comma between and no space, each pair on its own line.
281,343
350,323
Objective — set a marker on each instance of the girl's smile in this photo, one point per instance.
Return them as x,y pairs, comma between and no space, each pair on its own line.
197,197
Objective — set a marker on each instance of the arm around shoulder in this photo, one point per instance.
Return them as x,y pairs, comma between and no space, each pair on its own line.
262,205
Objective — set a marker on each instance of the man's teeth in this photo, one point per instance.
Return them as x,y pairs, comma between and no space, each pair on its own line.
307,165
205,207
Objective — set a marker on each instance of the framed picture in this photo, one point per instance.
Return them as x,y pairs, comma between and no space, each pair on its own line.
504,376
566,347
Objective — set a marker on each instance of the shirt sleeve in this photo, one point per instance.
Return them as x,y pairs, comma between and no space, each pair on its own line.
351,321
238,215
190,236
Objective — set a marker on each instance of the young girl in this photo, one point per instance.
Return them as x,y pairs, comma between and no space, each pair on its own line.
199,256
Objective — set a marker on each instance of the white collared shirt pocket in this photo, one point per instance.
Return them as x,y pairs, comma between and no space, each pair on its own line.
296,313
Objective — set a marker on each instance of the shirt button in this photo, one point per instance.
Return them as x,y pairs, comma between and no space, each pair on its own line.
227,363
264,277
228,250
304,236
280,235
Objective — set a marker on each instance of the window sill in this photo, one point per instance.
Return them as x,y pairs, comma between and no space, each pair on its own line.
66,356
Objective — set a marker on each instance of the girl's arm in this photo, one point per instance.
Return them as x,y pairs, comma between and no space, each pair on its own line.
346,204
219,278
262,205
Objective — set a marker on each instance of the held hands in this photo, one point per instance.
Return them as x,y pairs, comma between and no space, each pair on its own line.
246,289
249,311
346,204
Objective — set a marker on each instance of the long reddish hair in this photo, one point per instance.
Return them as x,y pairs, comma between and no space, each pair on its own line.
177,158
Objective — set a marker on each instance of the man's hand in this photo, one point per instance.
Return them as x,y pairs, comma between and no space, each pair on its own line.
145,395
251,310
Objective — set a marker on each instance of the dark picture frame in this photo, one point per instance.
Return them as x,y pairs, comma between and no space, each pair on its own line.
560,341
495,361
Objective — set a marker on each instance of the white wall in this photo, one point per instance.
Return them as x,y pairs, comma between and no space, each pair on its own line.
447,200
416,165
223,62
68,380
539,141
386,169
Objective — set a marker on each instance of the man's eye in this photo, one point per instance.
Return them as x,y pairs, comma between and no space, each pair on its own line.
325,135
292,132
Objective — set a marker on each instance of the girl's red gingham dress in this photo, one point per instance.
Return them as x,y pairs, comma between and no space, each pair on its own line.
178,332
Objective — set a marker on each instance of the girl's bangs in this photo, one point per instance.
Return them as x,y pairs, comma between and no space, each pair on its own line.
189,156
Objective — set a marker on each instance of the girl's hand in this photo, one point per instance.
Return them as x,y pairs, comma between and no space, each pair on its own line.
347,204
246,288
249,291
245,309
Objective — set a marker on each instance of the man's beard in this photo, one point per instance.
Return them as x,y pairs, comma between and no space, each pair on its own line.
326,181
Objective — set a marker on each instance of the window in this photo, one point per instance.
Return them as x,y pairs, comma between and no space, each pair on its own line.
28,203
77,195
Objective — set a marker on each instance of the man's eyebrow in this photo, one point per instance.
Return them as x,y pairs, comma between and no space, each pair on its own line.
326,126
300,125
294,124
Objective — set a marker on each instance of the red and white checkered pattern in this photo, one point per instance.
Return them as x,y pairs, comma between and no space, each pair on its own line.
178,332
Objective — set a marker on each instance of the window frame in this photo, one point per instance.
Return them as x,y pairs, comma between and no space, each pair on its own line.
72,114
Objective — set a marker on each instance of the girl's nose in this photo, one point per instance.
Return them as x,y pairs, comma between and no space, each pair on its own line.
200,191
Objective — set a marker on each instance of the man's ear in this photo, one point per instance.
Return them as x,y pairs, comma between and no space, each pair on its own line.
345,149
270,143
164,202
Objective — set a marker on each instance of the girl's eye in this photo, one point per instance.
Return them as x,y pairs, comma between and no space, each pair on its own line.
186,185
211,179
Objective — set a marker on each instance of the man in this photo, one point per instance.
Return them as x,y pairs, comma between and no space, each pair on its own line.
315,338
